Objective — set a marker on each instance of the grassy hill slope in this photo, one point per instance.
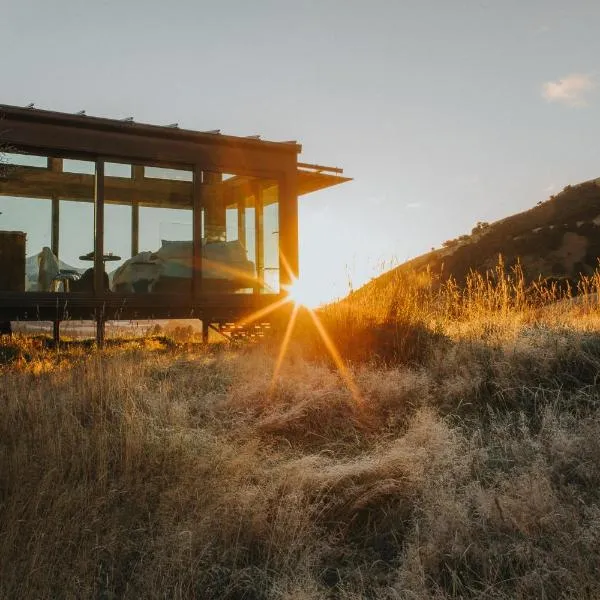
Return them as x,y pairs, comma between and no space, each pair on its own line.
556,238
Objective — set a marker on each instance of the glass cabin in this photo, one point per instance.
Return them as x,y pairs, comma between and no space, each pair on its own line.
103,219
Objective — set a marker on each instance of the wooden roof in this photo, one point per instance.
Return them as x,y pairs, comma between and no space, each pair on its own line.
78,136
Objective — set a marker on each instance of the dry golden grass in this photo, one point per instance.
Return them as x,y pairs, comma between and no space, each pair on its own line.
469,469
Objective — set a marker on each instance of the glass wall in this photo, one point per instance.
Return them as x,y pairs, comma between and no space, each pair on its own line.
148,228
76,222
28,186
240,234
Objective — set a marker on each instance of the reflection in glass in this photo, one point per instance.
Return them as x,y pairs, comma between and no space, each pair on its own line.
148,227
156,251
19,256
33,190
271,241
76,233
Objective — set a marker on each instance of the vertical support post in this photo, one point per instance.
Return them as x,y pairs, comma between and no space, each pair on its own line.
99,230
197,203
205,328
241,220
99,248
100,331
56,166
288,226
215,228
55,224
138,176
259,237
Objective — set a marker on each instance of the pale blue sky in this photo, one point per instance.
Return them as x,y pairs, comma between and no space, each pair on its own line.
445,112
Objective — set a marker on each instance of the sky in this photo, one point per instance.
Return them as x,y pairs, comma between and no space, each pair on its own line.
443,112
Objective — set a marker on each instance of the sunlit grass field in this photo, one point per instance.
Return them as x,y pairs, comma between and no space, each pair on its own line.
455,454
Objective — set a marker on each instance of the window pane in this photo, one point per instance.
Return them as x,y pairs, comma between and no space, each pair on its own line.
32,190
240,237
84,167
148,226
32,217
76,225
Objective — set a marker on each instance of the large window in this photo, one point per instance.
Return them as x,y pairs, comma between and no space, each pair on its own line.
28,205
148,228
240,216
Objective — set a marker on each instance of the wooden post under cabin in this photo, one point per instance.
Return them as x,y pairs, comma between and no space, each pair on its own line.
100,331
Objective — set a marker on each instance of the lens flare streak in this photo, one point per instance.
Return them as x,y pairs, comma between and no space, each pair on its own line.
284,346
329,344
337,359
263,312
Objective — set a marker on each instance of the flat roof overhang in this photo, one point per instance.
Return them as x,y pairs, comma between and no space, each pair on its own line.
56,134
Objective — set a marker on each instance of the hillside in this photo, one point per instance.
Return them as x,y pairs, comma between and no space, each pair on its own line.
559,238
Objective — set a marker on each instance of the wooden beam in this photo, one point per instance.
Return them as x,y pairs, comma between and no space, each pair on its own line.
137,173
288,228
135,228
55,165
84,138
320,168
241,221
37,182
54,244
50,306
213,202
259,236
197,235
99,229
100,332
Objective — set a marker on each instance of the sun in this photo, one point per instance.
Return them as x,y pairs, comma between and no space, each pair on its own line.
301,294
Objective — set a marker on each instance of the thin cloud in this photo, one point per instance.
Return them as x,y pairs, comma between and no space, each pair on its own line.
572,90
414,205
